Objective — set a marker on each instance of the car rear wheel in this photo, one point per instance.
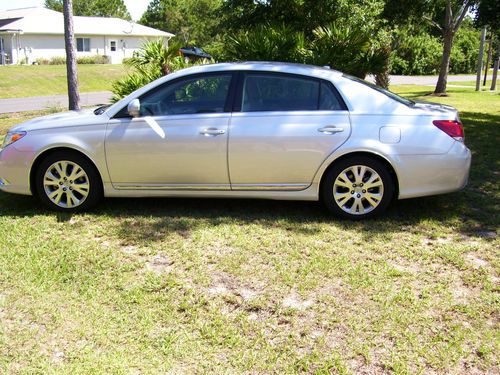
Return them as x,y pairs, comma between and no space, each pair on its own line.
357,188
68,182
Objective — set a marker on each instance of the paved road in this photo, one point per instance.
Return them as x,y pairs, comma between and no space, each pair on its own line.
425,80
428,80
36,103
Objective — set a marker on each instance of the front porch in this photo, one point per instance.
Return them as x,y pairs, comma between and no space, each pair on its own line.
9,47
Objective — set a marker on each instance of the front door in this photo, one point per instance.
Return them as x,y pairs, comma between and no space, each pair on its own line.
178,142
114,52
286,127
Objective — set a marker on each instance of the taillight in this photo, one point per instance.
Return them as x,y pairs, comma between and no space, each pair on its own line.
453,128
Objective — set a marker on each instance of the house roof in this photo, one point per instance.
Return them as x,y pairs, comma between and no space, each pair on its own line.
37,20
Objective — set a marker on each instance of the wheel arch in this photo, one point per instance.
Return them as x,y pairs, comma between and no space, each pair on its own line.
380,158
38,160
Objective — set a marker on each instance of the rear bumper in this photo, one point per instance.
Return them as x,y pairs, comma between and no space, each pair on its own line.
421,175
14,171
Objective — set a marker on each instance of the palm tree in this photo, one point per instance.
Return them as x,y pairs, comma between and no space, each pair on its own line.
152,61
156,53
349,49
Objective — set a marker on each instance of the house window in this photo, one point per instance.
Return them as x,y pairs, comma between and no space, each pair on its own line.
112,45
83,44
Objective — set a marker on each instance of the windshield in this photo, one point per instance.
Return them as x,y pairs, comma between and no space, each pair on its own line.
102,109
388,93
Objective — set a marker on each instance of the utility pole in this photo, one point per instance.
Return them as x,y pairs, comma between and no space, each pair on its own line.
71,69
480,60
495,69
488,58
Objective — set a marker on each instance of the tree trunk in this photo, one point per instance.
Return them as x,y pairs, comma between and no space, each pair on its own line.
69,40
444,68
448,30
165,69
480,60
495,69
383,78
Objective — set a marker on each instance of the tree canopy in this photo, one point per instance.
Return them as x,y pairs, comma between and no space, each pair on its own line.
93,8
488,14
193,21
300,15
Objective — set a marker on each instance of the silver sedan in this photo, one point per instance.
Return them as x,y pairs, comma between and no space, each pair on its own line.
243,130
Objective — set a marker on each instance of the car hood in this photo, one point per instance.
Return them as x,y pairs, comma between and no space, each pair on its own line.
61,120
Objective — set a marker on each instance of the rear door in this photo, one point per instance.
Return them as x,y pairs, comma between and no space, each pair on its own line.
284,126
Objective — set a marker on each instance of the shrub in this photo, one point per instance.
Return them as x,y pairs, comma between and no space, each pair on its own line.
97,59
57,60
415,53
60,60
465,51
349,49
266,43
42,61
135,80
126,60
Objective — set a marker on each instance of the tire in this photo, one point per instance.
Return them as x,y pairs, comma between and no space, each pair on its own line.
345,191
68,182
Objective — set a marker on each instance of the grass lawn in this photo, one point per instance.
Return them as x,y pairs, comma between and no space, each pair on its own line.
232,286
37,80
472,84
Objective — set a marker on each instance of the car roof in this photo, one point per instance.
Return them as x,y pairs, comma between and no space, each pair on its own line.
271,66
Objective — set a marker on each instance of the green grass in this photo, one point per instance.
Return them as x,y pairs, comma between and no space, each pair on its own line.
234,286
39,80
473,84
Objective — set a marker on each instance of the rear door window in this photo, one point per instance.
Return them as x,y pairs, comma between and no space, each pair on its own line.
330,99
270,92
288,92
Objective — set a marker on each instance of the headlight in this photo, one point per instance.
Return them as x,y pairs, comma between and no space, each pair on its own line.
12,137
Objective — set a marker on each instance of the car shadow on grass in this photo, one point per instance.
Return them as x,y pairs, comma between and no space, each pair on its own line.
151,219
471,212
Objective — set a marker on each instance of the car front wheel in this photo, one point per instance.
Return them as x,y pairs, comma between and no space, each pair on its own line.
357,188
68,182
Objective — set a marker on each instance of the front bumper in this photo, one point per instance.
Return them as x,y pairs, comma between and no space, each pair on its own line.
422,175
14,170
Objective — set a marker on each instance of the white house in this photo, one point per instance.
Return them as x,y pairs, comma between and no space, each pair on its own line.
30,33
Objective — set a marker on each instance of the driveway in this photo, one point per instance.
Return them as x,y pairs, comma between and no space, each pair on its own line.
36,103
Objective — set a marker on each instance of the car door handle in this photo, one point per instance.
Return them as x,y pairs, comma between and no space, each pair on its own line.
330,130
212,132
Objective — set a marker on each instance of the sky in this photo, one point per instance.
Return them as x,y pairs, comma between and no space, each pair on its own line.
135,7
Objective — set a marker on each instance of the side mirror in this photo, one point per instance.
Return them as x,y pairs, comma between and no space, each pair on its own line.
134,108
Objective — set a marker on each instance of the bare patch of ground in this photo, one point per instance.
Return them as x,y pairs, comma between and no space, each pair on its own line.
159,264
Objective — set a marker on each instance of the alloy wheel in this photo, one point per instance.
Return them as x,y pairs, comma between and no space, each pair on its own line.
358,190
66,184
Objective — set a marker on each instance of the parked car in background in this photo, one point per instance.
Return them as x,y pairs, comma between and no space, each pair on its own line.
194,53
243,130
